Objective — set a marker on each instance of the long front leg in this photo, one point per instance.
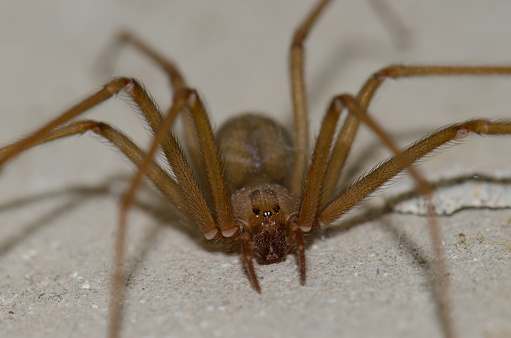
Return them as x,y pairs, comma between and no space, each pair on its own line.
199,211
110,89
156,174
177,82
186,98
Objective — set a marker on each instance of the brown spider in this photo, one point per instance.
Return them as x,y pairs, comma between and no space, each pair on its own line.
266,202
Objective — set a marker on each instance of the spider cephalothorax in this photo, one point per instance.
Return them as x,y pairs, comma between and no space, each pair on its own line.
265,213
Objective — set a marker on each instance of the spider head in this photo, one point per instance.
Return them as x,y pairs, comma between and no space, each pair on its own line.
268,226
264,213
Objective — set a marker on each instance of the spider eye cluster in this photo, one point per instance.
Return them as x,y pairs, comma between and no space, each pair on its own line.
266,213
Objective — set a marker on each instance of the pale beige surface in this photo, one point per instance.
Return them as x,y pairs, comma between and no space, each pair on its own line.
56,240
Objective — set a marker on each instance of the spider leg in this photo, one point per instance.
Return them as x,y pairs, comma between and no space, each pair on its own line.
299,97
187,98
298,93
365,96
310,200
110,89
248,262
311,192
198,209
301,254
158,176
196,203
177,80
440,269
404,160
177,83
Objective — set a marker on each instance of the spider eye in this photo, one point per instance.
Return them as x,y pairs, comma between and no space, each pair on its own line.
276,208
256,211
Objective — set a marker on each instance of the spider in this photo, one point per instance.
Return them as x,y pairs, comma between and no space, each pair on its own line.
291,200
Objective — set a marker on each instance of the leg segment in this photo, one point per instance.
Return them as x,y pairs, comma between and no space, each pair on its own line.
393,166
366,94
248,262
301,255
177,82
299,98
196,202
157,175
188,99
311,192
176,79
110,89
312,189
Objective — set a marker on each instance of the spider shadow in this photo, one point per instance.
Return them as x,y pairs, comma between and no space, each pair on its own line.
165,215
157,207
418,254
75,197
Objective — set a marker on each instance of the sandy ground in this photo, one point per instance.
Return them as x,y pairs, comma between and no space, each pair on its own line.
58,204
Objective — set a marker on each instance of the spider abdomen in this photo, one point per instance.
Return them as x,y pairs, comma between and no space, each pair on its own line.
254,150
